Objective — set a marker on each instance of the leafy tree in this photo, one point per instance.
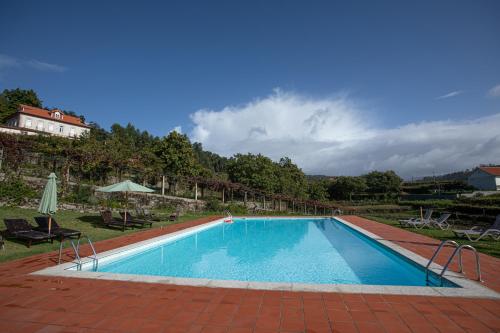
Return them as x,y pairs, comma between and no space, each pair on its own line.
383,182
318,190
256,171
209,160
342,188
292,180
10,100
177,155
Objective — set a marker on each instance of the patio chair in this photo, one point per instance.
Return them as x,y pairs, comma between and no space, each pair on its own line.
476,233
441,222
109,221
146,214
135,221
22,230
55,229
418,222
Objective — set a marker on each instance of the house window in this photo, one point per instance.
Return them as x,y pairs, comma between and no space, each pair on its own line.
57,115
51,128
39,126
61,129
27,123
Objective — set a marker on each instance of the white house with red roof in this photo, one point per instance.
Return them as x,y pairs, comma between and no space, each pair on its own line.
486,178
30,120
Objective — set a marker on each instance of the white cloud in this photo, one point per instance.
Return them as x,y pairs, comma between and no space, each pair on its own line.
46,67
450,94
334,136
495,91
8,62
177,129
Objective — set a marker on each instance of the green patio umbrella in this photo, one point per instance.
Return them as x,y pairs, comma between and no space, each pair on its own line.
126,186
48,203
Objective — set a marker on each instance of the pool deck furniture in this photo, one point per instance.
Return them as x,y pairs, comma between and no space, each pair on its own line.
146,214
135,221
476,233
111,222
22,230
416,222
441,222
62,233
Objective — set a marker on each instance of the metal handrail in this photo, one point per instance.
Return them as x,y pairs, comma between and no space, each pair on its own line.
76,250
443,243
459,250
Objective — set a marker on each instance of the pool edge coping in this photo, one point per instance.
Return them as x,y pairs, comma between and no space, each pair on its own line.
468,288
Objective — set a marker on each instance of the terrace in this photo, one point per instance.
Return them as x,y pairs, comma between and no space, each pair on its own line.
32,303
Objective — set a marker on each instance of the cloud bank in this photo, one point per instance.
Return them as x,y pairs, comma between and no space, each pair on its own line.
8,62
334,136
495,91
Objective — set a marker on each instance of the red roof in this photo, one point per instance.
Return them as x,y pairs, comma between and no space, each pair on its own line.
495,171
50,114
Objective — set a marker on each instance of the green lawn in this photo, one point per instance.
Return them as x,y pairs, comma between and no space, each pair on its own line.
88,224
487,246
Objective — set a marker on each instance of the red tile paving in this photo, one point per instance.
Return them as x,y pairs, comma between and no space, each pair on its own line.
50,304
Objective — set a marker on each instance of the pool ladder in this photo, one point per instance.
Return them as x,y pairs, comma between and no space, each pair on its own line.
458,250
76,250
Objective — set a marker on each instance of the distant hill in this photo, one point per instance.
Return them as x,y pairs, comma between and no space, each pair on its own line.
459,175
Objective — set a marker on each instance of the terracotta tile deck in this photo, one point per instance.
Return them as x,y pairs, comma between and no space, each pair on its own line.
46,304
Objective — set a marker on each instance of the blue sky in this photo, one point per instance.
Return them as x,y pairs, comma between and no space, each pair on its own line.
395,63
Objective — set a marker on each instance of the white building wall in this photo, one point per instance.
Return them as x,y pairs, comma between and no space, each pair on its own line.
49,126
483,180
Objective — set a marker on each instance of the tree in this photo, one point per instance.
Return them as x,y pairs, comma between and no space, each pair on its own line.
256,171
209,160
342,188
10,100
292,180
383,182
176,154
318,190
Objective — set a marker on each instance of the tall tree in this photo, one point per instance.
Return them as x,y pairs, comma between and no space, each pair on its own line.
256,171
10,100
342,188
176,154
292,180
383,182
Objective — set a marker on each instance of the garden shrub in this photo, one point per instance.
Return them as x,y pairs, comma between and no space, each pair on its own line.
16,191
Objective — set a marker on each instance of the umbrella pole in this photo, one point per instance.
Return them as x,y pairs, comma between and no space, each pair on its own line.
50,223
126,208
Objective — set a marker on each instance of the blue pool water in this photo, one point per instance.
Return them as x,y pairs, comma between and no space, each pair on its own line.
318,251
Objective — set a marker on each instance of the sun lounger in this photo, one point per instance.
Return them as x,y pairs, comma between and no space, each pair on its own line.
441,222
55,229
476,233
146,214
21,229
418,222
135,221
109,221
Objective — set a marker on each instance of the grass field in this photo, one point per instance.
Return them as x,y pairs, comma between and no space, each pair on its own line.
88,224
487,246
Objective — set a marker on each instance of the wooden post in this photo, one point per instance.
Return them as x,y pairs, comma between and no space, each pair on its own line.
280,205
196,191
223,190
264,202
245,198
315,210
163,185
305,208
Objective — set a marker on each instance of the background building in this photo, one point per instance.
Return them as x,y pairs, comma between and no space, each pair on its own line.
54,122
485,178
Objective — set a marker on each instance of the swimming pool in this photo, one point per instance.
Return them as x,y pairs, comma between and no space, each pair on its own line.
293,250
